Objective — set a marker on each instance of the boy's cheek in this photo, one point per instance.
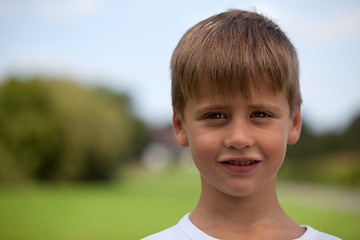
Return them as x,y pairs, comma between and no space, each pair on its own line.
204,148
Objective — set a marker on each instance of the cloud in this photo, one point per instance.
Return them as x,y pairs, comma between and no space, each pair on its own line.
319,22
9,8
330,28
53,10
145,10
68,9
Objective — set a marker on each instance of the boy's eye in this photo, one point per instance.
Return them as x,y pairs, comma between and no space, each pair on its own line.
261,115
215,116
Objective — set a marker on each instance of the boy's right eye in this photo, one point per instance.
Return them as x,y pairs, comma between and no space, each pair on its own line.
215,115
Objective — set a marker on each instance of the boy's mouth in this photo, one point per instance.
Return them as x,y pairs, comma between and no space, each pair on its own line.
240,166
240,163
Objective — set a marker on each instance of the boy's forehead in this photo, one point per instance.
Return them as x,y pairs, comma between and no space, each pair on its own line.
216,93
205,101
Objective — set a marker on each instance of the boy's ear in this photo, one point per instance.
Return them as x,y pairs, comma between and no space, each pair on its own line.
295,128
179,129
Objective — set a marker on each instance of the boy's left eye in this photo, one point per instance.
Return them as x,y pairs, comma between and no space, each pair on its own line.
260,115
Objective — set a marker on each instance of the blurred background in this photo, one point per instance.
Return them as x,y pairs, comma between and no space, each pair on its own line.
86,145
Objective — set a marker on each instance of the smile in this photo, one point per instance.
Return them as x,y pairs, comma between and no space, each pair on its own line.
240,163
240,166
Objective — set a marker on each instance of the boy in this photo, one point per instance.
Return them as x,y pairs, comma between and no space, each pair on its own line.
236,101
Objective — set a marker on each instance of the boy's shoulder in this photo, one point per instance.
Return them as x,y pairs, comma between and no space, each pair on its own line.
172,233
186,230
183,230
313,234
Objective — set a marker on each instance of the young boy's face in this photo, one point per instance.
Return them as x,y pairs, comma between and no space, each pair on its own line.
238,145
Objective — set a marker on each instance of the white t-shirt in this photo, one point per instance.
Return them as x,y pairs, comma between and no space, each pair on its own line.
186,230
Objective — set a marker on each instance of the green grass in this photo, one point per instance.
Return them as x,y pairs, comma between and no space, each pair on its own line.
141,204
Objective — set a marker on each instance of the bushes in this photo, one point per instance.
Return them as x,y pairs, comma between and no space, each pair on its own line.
58,130
327,158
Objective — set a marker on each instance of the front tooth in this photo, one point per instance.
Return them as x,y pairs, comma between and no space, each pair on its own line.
241,163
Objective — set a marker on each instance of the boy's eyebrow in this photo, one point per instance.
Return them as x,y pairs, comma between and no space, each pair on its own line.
209,108
217,107
260,105
271,106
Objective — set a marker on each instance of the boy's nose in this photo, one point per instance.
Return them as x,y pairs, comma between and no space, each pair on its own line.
239,136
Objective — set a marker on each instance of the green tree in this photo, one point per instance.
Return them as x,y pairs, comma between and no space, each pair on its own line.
331,157
58,130
28,128
352,135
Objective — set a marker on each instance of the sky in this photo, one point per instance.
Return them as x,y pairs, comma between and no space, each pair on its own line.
127,46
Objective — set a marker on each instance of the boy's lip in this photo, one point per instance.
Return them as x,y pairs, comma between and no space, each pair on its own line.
239,159
240,164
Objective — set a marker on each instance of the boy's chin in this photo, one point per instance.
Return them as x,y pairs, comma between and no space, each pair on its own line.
239,188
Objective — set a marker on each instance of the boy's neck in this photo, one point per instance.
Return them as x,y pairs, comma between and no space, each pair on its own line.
216,212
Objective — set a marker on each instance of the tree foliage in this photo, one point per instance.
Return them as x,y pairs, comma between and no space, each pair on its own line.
58,130
330,157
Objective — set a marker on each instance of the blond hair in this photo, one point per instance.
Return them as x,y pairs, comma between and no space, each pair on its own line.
232,53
